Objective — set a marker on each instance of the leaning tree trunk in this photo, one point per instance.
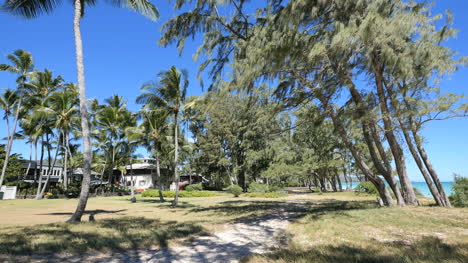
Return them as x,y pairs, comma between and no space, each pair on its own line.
87,154
431,169
49,172
176,160
377,181
10,141
158,174
408,191
435,193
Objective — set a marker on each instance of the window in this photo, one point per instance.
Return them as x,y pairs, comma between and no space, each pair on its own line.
142,183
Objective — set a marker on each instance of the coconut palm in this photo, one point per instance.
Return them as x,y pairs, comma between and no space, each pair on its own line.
111,120
21,65
151,133
168,94
8,101
38,91
62,108
32,9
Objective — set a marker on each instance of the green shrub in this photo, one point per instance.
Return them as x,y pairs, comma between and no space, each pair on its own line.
235,190
258,188
171,194
366,188
194,187
459,198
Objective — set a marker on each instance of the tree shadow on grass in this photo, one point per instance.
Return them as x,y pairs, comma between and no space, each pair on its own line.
247,211
88,212
427,249
122,234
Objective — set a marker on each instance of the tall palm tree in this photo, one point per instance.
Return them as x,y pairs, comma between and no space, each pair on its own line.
32,9
21,65
8,101
169,94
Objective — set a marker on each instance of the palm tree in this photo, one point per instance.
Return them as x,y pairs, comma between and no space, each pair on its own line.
168,94
111,120
22,65
62,108
41,88
8,101
151,133
33,8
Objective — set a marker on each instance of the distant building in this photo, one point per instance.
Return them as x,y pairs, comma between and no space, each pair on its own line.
32,172
143,172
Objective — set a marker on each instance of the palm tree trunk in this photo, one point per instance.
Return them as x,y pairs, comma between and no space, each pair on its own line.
158,174
10,141
176,159
133,198
65,164
87,153
39,184
50,171
35,160
30,159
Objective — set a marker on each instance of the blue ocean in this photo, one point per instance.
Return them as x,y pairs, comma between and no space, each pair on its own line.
422,187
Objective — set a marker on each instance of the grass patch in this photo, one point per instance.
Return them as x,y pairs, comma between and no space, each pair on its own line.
104,235
277,194
182,194
331,227
358,231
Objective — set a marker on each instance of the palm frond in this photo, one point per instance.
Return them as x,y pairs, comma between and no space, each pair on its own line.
143,7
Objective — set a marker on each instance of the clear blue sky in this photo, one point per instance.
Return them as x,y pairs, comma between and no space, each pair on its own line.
121,53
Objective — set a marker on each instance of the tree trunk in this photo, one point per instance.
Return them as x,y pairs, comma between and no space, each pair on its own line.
40,169
133,198
50,171
432,188
431,170
65,164
158,174
176,159
408,191
372,138
35,160
340,186
87,151
10,140
377,181
30,159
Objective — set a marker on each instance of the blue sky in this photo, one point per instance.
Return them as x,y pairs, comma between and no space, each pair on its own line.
121,53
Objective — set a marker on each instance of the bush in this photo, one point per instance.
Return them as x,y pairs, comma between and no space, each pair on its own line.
258,188
171,194
366,188
459,198
194,187
235,190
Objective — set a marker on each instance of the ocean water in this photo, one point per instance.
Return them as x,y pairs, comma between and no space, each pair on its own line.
422,187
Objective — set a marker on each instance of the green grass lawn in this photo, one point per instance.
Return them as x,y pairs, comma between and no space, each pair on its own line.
329,228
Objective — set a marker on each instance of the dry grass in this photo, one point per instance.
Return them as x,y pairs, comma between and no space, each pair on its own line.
357,231
328,228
